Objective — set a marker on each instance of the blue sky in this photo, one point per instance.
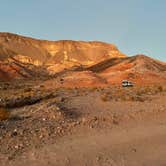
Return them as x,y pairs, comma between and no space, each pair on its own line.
135,26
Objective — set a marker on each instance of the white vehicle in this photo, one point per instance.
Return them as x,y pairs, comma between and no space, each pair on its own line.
126,83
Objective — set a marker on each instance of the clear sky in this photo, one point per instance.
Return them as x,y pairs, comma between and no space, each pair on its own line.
135,26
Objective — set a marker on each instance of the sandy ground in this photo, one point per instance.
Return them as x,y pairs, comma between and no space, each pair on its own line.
130,146
109,131
139,144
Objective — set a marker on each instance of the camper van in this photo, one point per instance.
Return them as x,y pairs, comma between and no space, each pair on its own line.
126,83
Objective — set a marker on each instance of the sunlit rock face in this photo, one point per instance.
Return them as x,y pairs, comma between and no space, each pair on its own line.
26,60
18,53
42,52
85,53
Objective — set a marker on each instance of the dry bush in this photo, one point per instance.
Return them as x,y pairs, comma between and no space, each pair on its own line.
139,98
105,97
142,90
139,93
28,90
93,89
4,114
160,89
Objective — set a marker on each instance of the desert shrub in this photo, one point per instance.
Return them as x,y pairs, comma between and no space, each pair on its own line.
123,98
28,90
105,97
160,88
4,114
93,89
138,98
138,93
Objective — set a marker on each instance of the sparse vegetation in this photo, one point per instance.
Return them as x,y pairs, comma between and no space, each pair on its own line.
4,114
160,88
105,97
45,115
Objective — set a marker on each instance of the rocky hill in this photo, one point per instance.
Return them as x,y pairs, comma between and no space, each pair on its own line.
139,63
139,68
24,57
42,52
17,51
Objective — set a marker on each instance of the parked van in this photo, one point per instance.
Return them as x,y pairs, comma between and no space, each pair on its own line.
126,83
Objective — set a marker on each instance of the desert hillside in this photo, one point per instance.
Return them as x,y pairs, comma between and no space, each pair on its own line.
139,69
54,56
76,62
41,52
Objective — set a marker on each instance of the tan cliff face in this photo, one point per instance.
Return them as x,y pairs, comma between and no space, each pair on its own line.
54,52
27,60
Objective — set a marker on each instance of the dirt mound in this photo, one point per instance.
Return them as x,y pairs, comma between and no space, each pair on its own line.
76,79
